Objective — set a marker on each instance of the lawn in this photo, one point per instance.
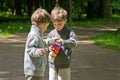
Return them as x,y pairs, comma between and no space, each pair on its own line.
110,40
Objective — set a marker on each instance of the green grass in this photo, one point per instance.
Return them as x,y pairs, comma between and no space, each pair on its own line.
110,40
8,28
90,23
94,22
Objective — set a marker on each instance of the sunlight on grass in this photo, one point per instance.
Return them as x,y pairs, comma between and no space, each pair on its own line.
14,27
108,40
91,22
4,34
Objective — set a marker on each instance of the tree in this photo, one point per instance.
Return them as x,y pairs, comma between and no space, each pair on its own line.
105,9
32,5
1,5
69,5
75,8
18,7
49,5
115,4
98,9
91,10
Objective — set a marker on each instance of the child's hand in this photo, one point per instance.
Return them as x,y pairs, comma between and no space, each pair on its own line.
58,41
50,48
42,52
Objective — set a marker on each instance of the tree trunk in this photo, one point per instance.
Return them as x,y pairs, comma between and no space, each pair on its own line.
101,10
90,11
69,5
29,7
106,9
18,7
32,5
50,4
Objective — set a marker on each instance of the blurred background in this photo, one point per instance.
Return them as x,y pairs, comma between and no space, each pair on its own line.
77,9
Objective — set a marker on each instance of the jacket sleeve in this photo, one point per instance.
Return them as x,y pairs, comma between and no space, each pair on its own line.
50,39
71,42
32,47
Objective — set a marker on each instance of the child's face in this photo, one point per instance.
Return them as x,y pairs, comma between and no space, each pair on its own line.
59,24
43,26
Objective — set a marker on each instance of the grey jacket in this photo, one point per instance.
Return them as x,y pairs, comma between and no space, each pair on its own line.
63,59
34,64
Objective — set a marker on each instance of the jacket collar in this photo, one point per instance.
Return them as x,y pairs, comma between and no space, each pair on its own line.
63,30
36,29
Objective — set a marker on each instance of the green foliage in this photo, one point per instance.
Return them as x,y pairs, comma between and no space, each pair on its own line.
7,28
109,40
93,22
116,17
13,27
90,22
8,16
115,4
78,7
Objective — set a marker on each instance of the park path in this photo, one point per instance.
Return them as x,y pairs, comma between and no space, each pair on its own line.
89,62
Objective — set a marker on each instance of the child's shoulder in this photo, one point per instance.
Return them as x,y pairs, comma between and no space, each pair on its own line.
53,30
68,29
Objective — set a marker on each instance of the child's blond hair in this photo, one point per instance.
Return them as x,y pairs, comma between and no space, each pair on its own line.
59,14
40,16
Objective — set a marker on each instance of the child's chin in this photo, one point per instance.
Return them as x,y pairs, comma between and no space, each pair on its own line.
58,29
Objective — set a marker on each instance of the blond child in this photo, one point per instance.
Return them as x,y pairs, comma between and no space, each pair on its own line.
35,52
60,68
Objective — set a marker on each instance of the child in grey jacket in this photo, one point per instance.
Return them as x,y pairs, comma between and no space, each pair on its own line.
60,68
35,52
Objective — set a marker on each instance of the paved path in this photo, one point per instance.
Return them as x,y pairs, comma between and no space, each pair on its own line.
89,62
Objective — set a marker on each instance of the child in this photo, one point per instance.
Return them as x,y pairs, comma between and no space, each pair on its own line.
35,53
60,68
